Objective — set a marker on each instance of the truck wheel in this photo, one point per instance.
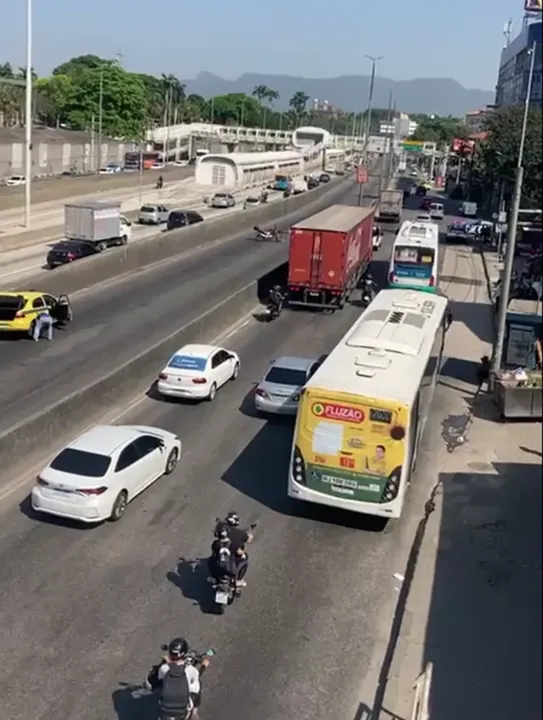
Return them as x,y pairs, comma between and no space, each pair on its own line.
101,246
123,240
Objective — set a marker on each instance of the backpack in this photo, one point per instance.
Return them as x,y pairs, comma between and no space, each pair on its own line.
175,693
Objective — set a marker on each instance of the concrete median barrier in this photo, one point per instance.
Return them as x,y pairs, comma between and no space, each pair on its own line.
25,444
116,262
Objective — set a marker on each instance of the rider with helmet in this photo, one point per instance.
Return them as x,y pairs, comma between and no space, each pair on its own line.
276,298
230,538
179,680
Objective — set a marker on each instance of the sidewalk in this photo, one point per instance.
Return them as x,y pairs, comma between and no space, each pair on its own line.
470,596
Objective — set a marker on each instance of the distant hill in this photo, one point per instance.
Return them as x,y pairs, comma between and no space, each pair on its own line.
441,96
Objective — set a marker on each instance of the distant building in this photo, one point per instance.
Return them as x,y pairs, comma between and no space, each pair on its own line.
515,59
402,126
476,120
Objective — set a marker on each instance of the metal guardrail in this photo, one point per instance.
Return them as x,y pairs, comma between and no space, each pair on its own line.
422,688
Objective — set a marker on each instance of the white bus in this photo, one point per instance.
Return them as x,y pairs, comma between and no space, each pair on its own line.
415,257
362,414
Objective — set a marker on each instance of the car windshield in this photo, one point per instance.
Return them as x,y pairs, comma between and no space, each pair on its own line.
188,362
221,196
148,209
286,376
80,462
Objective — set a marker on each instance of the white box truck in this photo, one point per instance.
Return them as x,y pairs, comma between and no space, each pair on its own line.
98,222
390,206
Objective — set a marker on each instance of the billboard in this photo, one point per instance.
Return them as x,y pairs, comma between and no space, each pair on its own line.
533,6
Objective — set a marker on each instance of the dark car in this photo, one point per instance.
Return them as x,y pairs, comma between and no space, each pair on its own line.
312,183
421,191
183,218
324,178
425,204
67,251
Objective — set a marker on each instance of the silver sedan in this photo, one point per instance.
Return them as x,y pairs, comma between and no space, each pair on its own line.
279,391
222,200
153,215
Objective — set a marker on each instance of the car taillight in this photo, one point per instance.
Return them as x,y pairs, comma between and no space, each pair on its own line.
298,467
42,482
199,381
93,491
162,376
261,393
70,256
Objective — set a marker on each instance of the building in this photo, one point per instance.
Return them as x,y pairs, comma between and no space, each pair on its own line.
476,120
402,126
515,59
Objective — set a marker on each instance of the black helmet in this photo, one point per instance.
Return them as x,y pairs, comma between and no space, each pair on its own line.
232,519
369,278
178,647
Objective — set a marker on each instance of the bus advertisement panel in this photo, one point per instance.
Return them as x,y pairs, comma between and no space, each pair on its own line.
349,446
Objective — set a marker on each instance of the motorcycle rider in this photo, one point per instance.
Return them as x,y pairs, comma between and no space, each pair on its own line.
276,298
160,183
180,695
237,540
369,288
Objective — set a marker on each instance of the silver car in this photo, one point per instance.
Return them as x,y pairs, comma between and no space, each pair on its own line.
279,391
153,215
222,200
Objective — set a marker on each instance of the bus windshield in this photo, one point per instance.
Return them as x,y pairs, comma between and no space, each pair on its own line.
409,255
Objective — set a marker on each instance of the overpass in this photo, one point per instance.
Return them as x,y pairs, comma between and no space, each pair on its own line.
224,138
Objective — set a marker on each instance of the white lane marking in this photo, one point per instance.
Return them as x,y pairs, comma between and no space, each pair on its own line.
108,419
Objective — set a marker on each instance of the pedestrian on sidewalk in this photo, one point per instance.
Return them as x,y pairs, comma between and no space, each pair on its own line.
44,323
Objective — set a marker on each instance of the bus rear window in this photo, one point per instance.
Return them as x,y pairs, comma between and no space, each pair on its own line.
414,255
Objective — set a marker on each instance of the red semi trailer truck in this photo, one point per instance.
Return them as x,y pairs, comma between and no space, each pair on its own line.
328,254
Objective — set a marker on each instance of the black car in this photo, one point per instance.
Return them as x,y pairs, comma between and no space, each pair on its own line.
67,251
324,178
183,218
312,183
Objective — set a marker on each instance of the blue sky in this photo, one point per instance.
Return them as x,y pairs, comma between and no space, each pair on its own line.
460,39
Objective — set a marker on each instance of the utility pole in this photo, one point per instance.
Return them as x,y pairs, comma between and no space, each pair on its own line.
92,145
100,118
28,115
512,226
386,150
374,61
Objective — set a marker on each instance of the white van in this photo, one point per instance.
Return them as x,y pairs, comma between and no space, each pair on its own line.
469,209
436,211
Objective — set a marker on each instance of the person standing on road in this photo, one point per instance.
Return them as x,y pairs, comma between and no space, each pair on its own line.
44,322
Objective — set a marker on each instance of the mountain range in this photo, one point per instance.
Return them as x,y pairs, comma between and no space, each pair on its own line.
441,96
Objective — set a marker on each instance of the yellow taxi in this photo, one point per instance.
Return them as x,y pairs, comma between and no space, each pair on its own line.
20,308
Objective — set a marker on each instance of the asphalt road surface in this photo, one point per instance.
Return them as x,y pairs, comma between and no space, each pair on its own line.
114,322
60,188
85,610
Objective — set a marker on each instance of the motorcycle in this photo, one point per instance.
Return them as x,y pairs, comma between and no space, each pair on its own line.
272,312
153,684
225,588
368,294
267,235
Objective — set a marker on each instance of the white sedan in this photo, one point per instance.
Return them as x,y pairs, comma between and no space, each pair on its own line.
197,372
15,180
98,474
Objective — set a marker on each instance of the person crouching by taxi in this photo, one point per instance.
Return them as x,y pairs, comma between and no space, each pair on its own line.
43,324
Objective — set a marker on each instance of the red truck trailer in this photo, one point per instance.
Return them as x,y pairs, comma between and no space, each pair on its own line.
328,254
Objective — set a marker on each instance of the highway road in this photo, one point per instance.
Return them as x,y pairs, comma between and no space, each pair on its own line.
61,188
84,610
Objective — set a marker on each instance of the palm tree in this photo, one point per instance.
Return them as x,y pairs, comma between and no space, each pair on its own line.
298,104
262,93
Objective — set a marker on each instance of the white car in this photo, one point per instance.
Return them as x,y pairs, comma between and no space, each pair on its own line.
279,391
424,217
15,180
437,211
197,372
158,166
98,474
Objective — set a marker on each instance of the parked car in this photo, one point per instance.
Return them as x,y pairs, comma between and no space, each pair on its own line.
15,180
66,251
183,218
110,169
95,477
222,200
153,214
198,371
279,391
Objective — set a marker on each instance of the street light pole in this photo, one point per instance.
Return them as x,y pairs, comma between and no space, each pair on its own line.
374,61
512,226
28,114
100,118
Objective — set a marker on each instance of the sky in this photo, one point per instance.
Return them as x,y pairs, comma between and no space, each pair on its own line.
460,40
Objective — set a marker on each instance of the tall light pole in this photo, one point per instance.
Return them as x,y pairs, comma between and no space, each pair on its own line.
374,61
512,223
28,114
100,118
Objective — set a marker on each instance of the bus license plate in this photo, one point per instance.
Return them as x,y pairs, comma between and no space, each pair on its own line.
221,598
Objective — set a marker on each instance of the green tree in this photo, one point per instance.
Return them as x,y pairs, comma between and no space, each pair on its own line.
263,93
298,104
441,130
124,102
56,96
77,65
231,109
496,158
